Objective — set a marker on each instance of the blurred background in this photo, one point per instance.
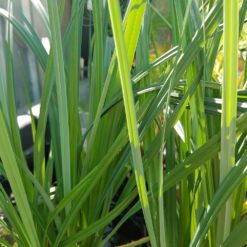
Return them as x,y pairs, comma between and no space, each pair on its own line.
27,69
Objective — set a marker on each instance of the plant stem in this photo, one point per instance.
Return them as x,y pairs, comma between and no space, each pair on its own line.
229,107
136,243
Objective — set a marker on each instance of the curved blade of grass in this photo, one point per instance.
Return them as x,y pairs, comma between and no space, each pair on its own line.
130,113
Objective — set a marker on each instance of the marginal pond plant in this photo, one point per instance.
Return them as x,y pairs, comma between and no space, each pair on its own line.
163,131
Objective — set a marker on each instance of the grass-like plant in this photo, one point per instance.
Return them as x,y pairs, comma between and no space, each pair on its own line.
165,133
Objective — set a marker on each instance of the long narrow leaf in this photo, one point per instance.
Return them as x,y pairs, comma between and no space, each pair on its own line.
61,94
130,113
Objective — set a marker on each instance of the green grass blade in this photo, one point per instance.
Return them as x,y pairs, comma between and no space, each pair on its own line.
3,97
230,86
130,113
132,26
44,106
73,87
56,42
15,135
229,109
98,79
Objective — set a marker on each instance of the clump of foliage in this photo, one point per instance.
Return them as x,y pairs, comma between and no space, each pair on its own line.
168,132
